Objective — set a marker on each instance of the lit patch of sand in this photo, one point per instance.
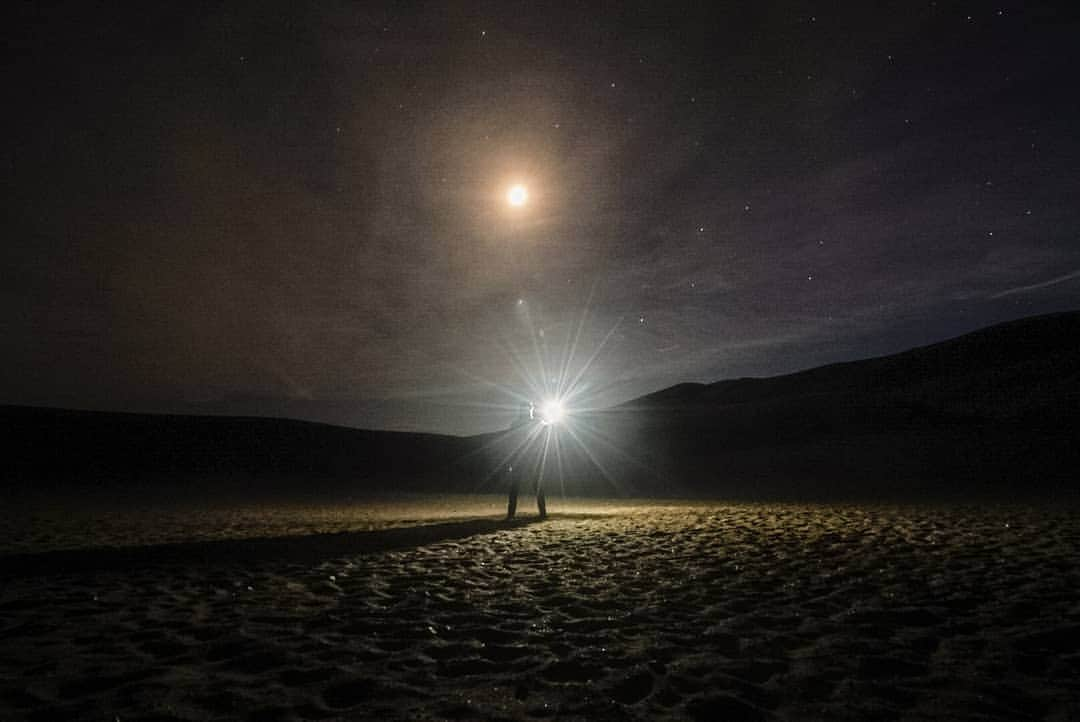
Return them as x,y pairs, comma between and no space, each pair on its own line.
618,611
80,524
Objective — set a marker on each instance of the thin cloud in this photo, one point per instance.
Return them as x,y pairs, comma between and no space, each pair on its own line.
1036,286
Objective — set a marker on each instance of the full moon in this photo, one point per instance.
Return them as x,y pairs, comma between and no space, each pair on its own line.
517,195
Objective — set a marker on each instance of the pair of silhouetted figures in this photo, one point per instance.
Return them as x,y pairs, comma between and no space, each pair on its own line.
524,467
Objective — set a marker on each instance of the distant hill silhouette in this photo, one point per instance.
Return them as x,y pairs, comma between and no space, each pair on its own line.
80,449
994,413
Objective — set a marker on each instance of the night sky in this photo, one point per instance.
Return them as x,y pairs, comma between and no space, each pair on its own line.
300,210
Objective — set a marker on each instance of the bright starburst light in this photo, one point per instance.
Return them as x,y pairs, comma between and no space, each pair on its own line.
552,412
560,384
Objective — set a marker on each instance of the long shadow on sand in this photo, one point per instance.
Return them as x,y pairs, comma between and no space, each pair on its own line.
300,549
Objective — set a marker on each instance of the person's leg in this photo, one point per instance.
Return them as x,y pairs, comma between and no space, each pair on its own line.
540,502
511,507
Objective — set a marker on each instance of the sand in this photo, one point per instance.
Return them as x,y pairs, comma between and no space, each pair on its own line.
605,611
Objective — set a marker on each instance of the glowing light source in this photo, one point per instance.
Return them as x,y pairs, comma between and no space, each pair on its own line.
517,195
552,412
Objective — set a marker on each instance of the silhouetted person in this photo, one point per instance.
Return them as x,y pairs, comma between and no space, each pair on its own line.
525,463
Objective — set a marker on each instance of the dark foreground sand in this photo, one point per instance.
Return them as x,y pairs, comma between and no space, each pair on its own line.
703,611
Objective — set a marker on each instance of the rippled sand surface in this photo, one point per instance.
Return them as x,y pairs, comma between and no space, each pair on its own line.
610,611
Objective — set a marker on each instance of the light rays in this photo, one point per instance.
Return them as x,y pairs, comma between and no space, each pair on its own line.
558,382
570,442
